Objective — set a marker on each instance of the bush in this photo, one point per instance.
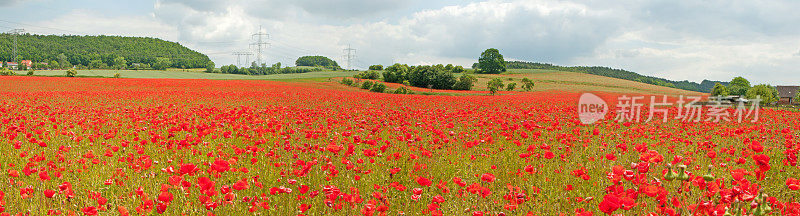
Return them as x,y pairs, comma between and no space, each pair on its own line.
433,77
373,75
511,86
6,72
72,72
527,84
766,93
378,87
495,85
117,75
366,85
396,73
458,69
376,67
465,82
30,72
346,81
402,90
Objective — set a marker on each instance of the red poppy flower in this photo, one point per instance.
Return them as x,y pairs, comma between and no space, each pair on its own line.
424,181
49,193
487,177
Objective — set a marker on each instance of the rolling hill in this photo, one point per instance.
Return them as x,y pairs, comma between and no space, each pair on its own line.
704,86
84,50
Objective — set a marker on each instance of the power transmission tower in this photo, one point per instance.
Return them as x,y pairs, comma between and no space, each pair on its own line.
15,32
349,54
259,43
239,57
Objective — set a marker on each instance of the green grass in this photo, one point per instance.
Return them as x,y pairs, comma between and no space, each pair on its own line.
193,74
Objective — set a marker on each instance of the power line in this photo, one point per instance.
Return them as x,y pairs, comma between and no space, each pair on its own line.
239,56
43,27
349,54
16,32
260,43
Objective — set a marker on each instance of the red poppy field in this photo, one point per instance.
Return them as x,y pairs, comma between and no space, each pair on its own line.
199,147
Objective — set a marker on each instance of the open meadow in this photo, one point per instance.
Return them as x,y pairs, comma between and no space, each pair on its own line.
98,146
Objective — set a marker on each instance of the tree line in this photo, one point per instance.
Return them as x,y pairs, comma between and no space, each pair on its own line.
424,76
317,61
107,52
263,69
740,86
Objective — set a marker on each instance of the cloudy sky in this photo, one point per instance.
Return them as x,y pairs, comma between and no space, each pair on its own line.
680,40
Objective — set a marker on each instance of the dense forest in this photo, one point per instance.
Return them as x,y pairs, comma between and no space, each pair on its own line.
316,61
101,51
704,86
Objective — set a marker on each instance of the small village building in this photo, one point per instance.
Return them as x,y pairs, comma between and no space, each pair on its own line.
787,94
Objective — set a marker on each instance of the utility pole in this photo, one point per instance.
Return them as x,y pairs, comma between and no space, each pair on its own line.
349,54
16,32
239,57
259,43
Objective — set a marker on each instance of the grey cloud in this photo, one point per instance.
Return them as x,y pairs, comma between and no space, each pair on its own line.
721,19
346,9
542,31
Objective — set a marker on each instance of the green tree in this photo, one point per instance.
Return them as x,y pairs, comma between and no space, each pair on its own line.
120,63
96,64
491,62
527,84
495,85
72,72
316,61
22,67
458,69
6,72
63,61
366,85
53,64
465,82
378,87
511,86
797,96
162,63
376,67
767,93
5,64
738,86
396,73
719,90
210,67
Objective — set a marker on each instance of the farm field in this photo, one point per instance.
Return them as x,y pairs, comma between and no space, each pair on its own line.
98,146
551,80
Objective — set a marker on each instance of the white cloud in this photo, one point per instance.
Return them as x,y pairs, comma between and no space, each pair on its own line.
672,39
82,22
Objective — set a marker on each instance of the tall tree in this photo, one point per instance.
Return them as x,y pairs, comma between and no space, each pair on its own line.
738,86
766,93
491,62
719,90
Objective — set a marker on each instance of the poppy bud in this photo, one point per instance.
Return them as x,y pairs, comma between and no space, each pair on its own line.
670,174
682,173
